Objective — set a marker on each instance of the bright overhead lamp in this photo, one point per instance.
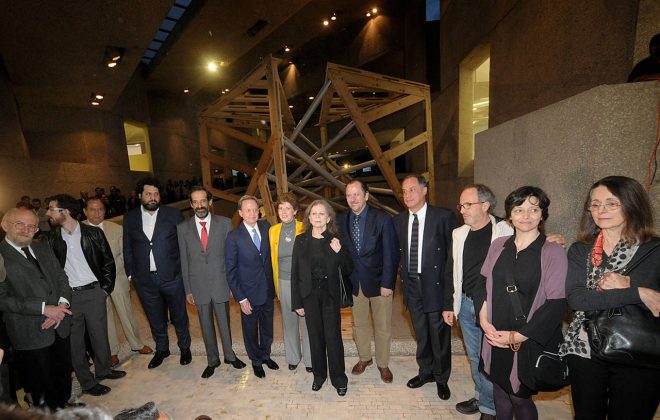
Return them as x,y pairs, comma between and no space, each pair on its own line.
212,66
186,90
95,99
326,22
287,48
98,96
112,56
333,17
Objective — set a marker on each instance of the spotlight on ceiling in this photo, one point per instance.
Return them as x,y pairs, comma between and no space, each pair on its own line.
287,48
334,16
311,98
372,12
186,90
212,66
95,99
326,22
112,56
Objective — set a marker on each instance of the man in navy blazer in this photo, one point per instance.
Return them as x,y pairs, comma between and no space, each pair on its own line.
250,278
373,246
152,263
424,233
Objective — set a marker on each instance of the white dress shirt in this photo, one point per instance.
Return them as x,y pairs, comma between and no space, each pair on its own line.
207,219
148,226
421,218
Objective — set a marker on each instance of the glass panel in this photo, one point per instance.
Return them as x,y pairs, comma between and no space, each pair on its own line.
138,147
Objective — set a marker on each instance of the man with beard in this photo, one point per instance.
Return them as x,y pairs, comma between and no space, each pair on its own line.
202,249
34,298
86,257
152,262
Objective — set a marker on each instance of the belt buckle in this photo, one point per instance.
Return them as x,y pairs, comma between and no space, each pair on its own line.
511,289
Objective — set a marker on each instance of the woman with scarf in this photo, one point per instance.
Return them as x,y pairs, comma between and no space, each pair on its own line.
318,257
282,237
616,228
524,302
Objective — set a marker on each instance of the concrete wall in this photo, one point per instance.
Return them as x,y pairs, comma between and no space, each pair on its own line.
541,52
565,147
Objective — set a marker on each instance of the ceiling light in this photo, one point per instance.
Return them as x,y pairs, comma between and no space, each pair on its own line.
374,10
368,14
112,56
326,22
95,103
333,17
290,106
286,48
311,98
186,90
95,99
98,96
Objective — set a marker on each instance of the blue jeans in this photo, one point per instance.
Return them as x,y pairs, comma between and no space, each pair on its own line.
472,336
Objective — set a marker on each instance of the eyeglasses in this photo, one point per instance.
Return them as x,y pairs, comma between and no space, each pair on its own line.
57,209
23,226
467,206
609,206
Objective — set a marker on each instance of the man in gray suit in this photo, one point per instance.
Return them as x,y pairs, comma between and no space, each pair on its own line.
34,297
202,249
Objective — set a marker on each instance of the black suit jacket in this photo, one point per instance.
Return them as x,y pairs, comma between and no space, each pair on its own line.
164,243
301,269
96,249
436,247
25,289
376,264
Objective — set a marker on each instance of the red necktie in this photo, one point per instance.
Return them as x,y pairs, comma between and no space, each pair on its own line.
205,235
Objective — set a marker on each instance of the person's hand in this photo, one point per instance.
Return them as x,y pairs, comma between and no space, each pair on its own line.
498,338
385,292
190,299
556,238
448,317
56,312
335,244
300,312
651,299
49,322
246,307
611,281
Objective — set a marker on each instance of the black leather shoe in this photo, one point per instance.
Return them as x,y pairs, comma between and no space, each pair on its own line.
443,391
186,357
97,390
293,367
158,358
209,371
485,416
316,387
259,371
114,374
309,369
236,364
417,381
271,364
342,391
468,407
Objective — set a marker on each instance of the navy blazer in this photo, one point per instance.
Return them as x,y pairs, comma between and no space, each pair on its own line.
376,264
438,227
249,270
164,244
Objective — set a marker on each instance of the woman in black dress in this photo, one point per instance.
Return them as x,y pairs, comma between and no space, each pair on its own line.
318,256
534,270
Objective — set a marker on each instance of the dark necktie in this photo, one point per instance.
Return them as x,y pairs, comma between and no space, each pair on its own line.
414,245
205,235
30,258
356,232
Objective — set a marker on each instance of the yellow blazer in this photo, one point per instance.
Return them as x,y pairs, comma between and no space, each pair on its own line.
274,237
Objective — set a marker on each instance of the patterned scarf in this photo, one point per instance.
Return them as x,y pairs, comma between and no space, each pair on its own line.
576,340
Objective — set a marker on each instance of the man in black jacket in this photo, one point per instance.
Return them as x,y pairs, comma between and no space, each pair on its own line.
86,257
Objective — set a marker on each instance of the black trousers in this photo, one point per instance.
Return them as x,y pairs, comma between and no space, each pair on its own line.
46,373
323,317
433,336
601,389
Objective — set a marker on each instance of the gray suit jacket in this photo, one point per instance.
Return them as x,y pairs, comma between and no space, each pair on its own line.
25,289
204,273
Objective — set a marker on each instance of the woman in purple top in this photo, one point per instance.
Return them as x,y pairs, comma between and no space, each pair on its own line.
533,269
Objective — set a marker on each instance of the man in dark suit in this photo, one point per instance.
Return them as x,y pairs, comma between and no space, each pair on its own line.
86,257
34,298
424,233
373,247
250,277
152,263
202,248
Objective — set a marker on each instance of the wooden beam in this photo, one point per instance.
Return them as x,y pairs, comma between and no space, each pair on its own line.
368,136
390,108
238,135
266,199
276,131
315,166
405,147
371,80
229,163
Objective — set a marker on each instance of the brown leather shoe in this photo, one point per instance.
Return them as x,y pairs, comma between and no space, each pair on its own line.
114,360
386,375
144,350
360,366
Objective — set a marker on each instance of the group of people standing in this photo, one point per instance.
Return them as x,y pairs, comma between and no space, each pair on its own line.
506,282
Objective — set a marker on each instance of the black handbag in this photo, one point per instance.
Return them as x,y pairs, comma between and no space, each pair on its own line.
546,369
345,292
629,335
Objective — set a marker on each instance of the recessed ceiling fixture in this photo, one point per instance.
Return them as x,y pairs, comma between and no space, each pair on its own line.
372,12
287,48
326,22
334,16
95,99
186,90
212,66
113,56
311,98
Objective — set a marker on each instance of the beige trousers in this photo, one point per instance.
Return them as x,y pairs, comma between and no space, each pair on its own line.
381,312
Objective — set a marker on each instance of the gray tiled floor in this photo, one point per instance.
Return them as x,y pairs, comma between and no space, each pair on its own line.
179,390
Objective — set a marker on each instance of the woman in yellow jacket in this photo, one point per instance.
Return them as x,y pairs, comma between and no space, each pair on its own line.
282,236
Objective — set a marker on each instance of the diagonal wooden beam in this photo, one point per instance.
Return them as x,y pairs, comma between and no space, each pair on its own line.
392,107
406,146
276,130
367,135
238,135
363,78
228,163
